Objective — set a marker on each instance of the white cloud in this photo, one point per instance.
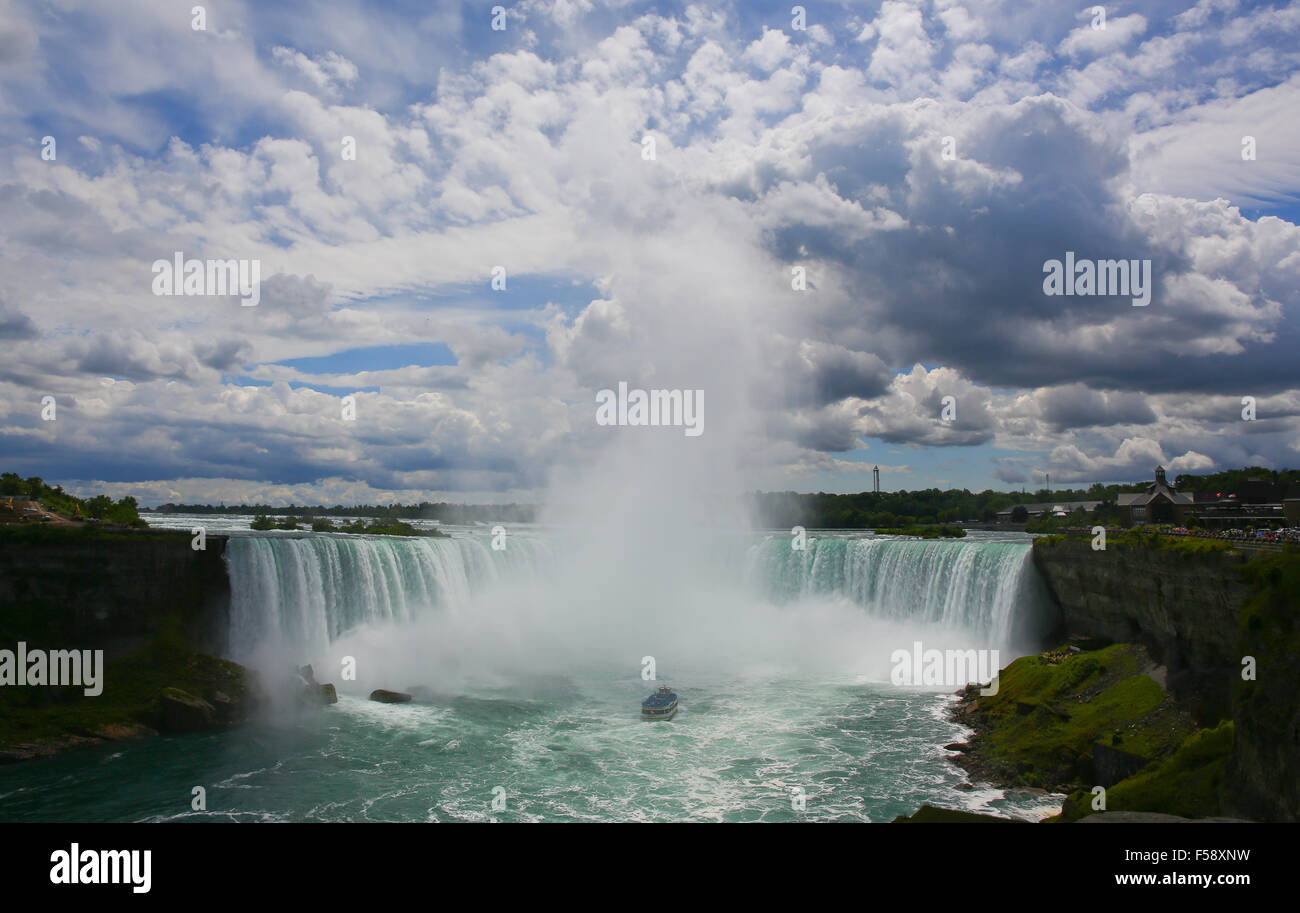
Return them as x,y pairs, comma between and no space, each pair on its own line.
1111,36
770,152
327,72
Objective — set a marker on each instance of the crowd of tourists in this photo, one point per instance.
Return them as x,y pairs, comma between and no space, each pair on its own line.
1287,534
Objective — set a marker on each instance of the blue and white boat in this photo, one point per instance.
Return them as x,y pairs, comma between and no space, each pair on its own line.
662,705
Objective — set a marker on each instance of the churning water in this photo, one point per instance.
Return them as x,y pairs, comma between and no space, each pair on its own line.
528,686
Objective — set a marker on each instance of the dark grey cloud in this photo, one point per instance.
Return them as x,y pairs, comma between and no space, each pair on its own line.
16,325
962,284
823,430
811,373
1076,406
226,355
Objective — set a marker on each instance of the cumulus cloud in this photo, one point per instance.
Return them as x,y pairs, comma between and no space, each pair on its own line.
16,325
1102,34
1076,406
936,407
1134,458
919,168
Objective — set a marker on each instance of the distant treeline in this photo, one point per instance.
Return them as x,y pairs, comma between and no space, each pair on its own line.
425,510
868,510
1233,480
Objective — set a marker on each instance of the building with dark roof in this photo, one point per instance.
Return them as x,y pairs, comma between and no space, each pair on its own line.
1158,504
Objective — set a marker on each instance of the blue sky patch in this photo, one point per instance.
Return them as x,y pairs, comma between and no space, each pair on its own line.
374,358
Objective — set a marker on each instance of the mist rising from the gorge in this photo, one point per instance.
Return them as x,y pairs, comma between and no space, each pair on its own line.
646,537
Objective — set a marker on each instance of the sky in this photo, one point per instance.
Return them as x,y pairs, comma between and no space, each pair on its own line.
918,163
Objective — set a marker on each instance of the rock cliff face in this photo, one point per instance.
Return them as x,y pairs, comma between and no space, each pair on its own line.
1266,708
1200,615
1184,608
112,589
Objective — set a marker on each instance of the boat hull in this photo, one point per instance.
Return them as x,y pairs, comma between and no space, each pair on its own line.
655,716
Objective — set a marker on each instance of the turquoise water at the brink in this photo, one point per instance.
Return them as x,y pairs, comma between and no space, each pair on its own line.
754,741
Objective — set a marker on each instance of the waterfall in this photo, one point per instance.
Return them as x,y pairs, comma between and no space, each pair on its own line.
307,591
987,589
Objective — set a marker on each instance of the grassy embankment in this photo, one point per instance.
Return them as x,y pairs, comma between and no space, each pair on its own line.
1055,713
38,721
1190,782
1039,729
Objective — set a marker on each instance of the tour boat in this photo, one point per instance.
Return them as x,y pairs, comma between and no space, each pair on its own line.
662,705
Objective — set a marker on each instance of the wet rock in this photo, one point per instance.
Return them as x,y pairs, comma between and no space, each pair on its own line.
312,694
183,712
122,732
390,697
31,751
225,709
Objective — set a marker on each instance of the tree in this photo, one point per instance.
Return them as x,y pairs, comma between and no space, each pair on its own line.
125,513
98,506
1019,514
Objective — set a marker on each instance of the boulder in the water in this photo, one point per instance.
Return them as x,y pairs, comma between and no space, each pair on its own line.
309,692
315,695
389,697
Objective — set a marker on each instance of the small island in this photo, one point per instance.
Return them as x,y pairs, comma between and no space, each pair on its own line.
923,532
262,522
